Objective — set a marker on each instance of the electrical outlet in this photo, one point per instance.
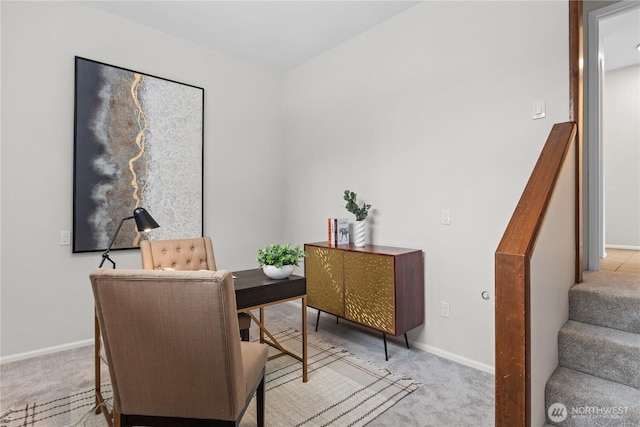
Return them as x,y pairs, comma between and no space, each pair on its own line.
65,238
444,309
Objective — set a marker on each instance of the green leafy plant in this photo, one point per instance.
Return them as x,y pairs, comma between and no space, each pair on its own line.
279,255
360,212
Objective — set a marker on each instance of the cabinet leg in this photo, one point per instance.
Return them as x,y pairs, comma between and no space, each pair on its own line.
317,320
337,320
406,340
384,338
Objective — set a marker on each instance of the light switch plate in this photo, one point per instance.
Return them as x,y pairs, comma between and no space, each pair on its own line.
446,216
539,109
65,238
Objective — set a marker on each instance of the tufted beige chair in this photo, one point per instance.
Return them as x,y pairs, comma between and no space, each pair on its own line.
185,254
163,370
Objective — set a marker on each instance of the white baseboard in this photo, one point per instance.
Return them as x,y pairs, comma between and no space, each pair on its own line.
429,349
44,351
444,354
455,358
631,248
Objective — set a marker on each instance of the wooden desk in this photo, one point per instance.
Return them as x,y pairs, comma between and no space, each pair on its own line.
254,290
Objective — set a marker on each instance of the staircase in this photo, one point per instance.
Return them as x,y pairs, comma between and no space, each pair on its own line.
598,378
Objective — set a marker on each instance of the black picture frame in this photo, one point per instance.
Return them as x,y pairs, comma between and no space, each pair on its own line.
138,142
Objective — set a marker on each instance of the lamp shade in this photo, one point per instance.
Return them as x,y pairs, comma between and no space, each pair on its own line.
144,221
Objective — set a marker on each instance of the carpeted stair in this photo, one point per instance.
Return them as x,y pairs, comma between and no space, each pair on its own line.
598,378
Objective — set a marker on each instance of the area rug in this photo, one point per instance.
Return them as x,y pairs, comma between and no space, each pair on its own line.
342,390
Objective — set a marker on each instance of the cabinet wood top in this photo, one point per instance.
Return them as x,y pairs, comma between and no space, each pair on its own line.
373,249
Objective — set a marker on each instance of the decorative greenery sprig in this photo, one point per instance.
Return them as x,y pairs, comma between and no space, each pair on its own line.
279,255
360,213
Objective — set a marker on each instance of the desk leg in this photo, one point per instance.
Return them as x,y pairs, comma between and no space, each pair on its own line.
304,338
262,323
274,342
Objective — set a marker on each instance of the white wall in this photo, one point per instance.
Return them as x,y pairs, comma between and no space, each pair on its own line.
621,142
429,110
552,275
46,299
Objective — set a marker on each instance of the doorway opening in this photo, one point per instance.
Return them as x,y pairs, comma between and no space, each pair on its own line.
601,24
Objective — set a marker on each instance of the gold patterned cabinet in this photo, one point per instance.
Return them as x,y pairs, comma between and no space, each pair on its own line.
368,290
324,265
381,287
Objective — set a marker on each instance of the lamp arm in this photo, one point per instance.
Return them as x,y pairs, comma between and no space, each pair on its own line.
105,254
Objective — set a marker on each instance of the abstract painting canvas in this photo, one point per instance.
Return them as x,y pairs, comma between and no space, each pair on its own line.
138,142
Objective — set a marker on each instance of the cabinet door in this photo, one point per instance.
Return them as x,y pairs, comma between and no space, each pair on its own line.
369,290
323,269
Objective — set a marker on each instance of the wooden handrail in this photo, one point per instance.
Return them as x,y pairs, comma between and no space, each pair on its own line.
512,279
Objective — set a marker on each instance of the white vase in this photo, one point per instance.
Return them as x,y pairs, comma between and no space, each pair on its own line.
278,272
359,230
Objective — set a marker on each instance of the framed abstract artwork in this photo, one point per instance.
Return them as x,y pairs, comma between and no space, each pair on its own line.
138,142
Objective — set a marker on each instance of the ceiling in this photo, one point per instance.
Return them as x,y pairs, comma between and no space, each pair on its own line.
283,34
276,34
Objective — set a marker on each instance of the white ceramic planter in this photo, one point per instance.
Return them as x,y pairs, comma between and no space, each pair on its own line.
359,231
278,273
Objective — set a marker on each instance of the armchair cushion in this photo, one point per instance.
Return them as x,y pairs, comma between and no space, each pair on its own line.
179,254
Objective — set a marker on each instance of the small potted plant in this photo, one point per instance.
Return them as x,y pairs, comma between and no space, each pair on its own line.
277,261
361,213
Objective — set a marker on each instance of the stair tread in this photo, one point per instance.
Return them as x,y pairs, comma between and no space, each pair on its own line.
594,390
615,336
607,299
606,403
612,283
582,347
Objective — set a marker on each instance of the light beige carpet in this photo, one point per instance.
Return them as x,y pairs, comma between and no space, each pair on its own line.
342,390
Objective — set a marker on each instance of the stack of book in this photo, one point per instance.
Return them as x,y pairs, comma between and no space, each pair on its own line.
338,231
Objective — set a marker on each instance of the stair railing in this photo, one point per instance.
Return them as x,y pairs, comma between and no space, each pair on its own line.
512,280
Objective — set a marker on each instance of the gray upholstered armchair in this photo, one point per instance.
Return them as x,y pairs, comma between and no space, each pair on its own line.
185,254
173,350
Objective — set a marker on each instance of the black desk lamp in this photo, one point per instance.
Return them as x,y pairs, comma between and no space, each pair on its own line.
144,222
